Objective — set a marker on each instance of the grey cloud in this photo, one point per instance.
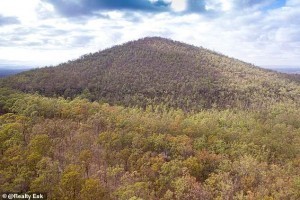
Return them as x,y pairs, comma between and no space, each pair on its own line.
133,17
199,6
71,8
258,4
20,36
196,6
79,41
8,20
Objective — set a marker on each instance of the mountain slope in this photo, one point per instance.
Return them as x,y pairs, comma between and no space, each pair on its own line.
155,70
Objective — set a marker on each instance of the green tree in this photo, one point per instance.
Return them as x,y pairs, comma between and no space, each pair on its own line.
85,158
93,190
71,182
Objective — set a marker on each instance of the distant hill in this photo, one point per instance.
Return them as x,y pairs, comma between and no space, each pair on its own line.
155,70
288,70
8,71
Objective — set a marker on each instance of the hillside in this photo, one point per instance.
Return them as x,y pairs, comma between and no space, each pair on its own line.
240,140
154,71
76,149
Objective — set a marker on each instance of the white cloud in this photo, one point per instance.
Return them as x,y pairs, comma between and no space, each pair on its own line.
220,5
24,10
293,3
178,5
253,35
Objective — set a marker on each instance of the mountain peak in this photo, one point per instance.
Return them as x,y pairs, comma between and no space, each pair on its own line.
156,70
155,40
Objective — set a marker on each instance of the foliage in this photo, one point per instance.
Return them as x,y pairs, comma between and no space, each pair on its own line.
76,149
154,71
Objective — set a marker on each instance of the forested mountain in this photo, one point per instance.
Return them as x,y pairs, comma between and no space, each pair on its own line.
152,119
154,71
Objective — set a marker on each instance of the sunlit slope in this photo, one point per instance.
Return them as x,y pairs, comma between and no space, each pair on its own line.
153,71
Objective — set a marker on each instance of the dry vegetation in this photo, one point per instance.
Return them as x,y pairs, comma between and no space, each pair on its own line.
199,126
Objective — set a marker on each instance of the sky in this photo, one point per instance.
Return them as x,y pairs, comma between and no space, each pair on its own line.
37,33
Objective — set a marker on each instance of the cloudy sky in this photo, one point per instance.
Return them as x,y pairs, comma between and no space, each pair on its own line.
37,33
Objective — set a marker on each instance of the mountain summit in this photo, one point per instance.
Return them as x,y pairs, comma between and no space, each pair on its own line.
154,70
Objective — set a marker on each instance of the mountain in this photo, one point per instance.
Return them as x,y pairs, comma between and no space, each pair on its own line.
154,71
8,71
77,149
289,70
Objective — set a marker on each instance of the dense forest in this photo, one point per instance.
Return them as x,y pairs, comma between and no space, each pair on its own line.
151,119
154,71
76,149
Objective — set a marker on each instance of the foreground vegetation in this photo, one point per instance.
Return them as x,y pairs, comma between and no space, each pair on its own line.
76,149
